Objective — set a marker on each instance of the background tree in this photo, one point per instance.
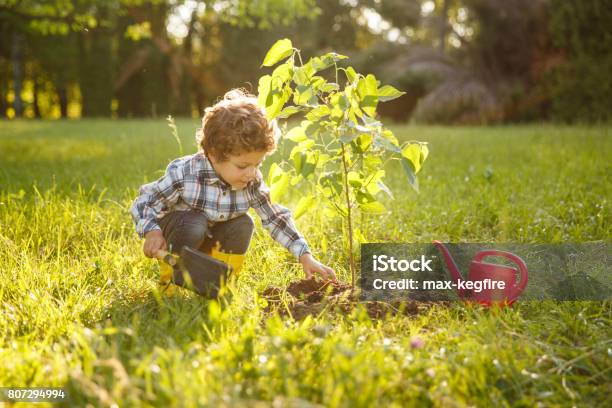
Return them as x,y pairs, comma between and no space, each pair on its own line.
581,85
458,61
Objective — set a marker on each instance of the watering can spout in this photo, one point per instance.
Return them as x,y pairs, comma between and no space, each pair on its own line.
450,263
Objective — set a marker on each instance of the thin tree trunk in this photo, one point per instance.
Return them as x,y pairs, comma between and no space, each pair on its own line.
200,99
62,95
185,97
17,60
444,24
95,69
349,218
3,90
37,114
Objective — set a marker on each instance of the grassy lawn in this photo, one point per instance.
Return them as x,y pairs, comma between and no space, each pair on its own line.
79,308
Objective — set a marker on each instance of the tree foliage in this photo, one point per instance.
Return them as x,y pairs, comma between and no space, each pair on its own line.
459,61
582,85
123,49
340,145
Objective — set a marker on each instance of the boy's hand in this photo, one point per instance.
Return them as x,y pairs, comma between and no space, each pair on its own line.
154,241
311,265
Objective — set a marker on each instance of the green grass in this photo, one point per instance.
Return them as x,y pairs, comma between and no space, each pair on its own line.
79,309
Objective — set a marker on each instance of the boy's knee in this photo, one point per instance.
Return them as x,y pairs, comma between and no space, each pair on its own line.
191,230
246,223
242,229
192,234
235,235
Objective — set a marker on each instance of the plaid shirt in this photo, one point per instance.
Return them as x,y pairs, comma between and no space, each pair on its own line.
191,183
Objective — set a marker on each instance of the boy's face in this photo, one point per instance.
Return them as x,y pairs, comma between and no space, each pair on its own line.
239,169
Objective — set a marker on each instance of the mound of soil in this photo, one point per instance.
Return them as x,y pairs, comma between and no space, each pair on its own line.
311,297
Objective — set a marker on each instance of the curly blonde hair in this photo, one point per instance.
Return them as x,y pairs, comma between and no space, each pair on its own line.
234,125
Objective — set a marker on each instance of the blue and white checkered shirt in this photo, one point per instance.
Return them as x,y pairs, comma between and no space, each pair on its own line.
191,183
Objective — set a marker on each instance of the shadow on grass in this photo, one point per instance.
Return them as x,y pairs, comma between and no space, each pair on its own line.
121,355
141,322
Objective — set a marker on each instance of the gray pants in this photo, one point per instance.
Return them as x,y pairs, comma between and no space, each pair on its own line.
190,228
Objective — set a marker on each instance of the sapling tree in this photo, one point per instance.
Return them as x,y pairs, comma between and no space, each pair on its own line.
340,145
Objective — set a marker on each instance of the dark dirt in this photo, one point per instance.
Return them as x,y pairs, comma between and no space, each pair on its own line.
311,297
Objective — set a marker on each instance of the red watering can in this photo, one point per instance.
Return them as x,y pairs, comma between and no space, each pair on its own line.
498,283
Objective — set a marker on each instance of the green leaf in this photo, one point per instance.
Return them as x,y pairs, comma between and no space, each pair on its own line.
329,87
311,129
369,121
384,188
372,163
281,49
424,153
296,134
318,113
361,88
388,93
317,82
319,64
354,179
336,56
288,111
363,143
372,180
367,203
279,189
323,160
278,181
359,128
354,110
387,134
279,98
368,104
412,179
310,164
348,137
308,69
330,184
304,160
367,86
299,77
283,72
302,75
386,144
305,204
274,173
325,61
263,89
338,100
412,152
343,102
303,95
340,210
304,146
373,208
368,94
337,112
351,75
359,236
296,179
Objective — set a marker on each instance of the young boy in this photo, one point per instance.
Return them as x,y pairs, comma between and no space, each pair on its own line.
202,200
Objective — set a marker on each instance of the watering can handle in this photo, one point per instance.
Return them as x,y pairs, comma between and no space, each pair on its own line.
519,287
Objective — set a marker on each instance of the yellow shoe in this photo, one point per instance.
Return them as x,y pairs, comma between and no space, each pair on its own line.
233,260
165,285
